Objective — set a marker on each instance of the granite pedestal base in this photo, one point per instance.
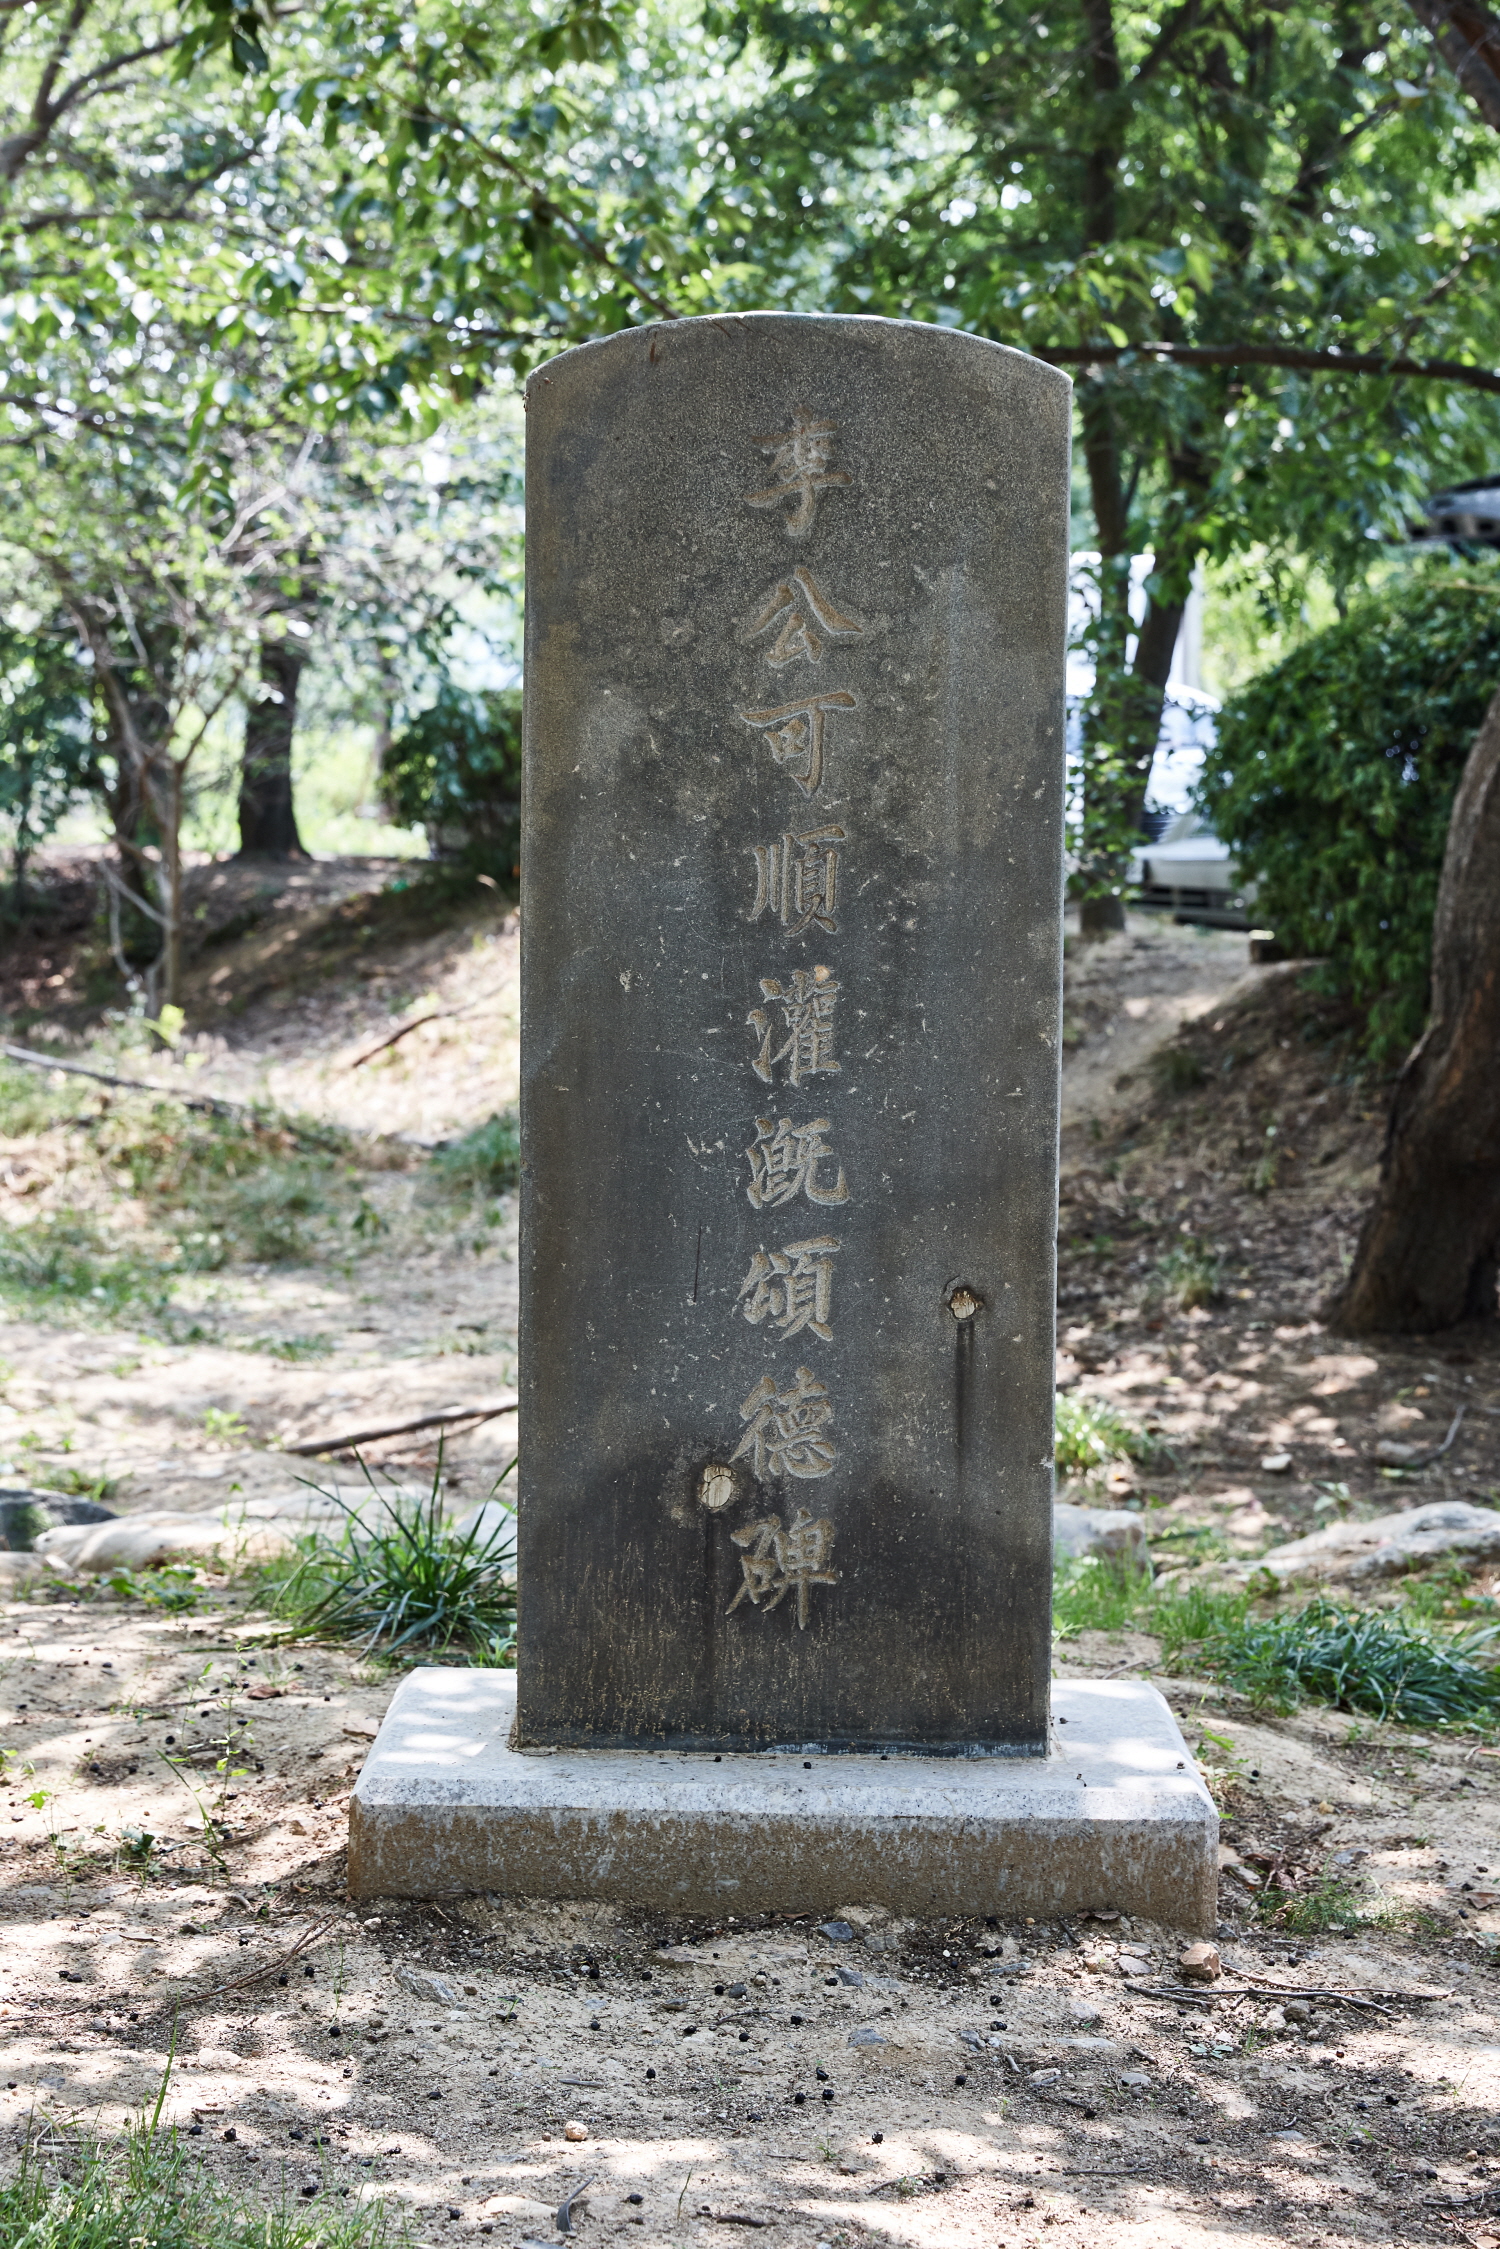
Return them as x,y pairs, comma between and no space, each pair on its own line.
1117,1816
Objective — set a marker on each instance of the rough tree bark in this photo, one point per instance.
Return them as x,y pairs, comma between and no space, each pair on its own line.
1429,1253
268,820
1430,1250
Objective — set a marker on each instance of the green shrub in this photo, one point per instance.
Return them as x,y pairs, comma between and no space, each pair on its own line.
456,771
1334,772
485,1161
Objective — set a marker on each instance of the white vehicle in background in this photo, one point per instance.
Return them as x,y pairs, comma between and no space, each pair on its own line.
1186,871
1190,873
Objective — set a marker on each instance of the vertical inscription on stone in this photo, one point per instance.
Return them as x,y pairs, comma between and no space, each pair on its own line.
791,906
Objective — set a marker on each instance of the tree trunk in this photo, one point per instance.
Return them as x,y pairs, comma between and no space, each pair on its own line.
268,820
169,889
1428,1254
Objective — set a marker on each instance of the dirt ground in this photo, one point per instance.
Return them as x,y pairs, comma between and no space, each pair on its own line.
1030,2077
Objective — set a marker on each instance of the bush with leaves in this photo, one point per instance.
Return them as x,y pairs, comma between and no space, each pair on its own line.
456,771
1333,775
46,736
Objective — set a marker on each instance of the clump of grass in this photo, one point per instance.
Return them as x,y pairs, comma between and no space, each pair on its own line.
246,1186
29,1103
398,1578
485,1161
150,2187
1191,1274
295,1349
1338,1904
61,1259
1098,1593
1368,1660
1175,1069
1089,1434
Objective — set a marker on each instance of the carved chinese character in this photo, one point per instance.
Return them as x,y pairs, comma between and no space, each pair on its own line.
792,1287
799,606
795,733
807,1017
784,1164
786,1432
800,469
779,1560
797,879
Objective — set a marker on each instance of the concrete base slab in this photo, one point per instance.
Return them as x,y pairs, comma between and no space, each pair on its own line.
1117,1816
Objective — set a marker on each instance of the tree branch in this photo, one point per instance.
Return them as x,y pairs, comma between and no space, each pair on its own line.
1270,355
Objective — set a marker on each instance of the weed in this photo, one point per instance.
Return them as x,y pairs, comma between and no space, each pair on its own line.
1389,1665
404,1578
173,1588
1339,1902
1267,1164
1192,1273
1175,1070
1098,1593
62,1260
1089,1433
29,1104
149,2188
79,1485
485,1161
294,1348
1445,1592
242,1186
224,1428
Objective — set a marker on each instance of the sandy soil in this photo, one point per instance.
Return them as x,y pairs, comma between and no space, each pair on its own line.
1171,2119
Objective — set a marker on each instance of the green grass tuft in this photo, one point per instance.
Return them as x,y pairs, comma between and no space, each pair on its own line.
149,2187
1339,1903
1090,1433
405,1581
1390,1665
1175,1070
1192,1274
485,1161
62,1261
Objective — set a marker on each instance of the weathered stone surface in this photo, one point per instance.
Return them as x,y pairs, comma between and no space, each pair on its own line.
1102,1531
796,595
1389,1545
1116,1817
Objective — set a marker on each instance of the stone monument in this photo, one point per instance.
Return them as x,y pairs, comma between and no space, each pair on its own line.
791,934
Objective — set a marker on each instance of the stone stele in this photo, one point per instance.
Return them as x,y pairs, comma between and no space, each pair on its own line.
792,859
791,913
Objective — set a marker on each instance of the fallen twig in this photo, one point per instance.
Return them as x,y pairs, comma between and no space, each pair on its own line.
1259,1990
1296,1991
255,1974
206,1102
434,1015
314,1445
91,2006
